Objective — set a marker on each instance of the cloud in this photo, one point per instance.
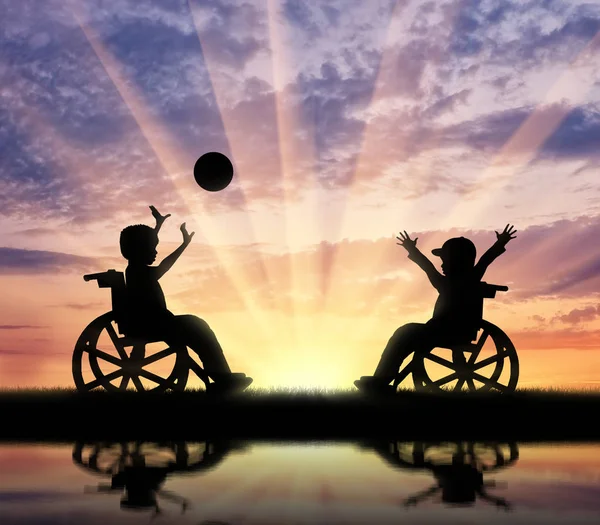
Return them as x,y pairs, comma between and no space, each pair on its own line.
19,326
446,80
19,352
579,315
94,305
23,261
577,135
375,278
37,232
72,148
524,34
583,273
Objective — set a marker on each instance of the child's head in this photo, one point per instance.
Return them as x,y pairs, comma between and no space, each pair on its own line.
458,255
138,244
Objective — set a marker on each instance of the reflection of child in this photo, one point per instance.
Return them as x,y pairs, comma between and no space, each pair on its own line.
457,310
141,485
148,313
460,483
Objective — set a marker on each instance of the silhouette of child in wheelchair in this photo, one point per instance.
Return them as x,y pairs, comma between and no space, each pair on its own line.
141,314
459,481
456,322
138,470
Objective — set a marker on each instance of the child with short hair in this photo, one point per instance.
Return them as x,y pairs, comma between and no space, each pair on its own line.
148,313
457,310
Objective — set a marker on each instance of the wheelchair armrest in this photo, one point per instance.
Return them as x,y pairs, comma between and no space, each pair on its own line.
109,279
488,291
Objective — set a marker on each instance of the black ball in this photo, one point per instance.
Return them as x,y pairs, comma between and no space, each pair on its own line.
213,171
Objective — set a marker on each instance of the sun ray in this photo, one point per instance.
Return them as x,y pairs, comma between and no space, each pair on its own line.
237,128
523,146
564,95
73,161
414,168
168,154
332,286
298,157
371,154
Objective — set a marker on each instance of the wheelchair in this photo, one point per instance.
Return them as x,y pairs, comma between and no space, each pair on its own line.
487,363
111,355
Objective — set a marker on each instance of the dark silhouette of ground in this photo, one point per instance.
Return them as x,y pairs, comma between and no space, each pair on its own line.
524,416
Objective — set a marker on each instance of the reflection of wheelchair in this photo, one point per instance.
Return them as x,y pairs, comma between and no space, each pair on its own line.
457,466
489,363
140,468
118,356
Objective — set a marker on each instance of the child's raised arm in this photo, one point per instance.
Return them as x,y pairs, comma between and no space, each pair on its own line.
159,218
497,249
414,254
169,260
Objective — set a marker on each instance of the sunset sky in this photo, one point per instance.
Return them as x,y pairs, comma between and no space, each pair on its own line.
346,121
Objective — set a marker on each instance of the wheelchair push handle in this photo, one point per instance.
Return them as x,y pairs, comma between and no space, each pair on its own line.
489,290
93,276
105,279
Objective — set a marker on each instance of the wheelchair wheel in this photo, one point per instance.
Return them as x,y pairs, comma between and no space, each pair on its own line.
109,458
489,456
103,359
490,364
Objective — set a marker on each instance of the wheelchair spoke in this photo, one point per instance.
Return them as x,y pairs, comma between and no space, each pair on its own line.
104,380
440,360
106,356
445,380
116,341
459,385
475,354
198,370
137,383
124,382
402,375
471,385
153,377
159,355
489,360
489,383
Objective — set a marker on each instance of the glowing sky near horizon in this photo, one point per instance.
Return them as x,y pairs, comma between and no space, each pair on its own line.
346,121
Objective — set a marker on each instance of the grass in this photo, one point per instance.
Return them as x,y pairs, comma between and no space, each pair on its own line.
50,414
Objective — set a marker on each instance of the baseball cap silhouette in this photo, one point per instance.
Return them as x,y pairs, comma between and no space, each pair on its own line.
459,247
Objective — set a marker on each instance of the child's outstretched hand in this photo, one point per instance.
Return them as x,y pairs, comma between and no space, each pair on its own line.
506,235
406,242
158,217
187,237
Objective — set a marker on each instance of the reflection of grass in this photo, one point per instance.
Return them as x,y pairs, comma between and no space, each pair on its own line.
525,415
289,394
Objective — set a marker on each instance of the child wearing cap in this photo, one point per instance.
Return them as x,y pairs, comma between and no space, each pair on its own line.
457,310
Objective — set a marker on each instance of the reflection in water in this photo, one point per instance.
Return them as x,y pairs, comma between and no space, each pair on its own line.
458,467
300,484
139,469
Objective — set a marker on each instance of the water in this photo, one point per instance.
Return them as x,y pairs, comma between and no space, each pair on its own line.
301,483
